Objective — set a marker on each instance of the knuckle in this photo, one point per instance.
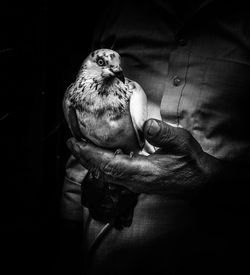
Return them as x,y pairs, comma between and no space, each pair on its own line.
111,170
166,134
107,169
184,135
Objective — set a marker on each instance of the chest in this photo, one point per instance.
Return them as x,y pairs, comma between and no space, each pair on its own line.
109,130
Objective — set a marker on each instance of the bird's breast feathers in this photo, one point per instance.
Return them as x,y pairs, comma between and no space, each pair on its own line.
110,115
107,131
96,97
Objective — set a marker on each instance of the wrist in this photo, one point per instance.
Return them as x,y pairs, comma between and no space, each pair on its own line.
210,167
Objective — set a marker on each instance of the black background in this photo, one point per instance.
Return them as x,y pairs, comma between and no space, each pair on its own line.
41,48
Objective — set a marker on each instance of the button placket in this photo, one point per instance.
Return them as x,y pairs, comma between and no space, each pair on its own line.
177,81
178,66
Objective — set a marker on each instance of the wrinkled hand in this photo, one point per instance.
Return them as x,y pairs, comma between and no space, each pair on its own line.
179,165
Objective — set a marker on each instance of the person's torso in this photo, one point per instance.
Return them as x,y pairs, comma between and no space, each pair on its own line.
195,72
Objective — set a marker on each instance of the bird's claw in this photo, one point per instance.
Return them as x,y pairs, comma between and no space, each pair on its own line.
118,152
84,140
131,154
95,173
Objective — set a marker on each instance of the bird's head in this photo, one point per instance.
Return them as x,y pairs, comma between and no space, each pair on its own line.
103,64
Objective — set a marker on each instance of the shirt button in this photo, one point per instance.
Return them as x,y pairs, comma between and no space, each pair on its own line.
176,81
182,42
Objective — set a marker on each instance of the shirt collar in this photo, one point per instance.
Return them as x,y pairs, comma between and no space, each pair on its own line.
164,4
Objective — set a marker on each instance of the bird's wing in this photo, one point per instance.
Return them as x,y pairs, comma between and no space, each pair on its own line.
70,115
138,110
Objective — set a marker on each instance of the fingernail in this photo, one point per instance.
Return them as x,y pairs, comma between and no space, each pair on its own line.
154,128
76,148
73,146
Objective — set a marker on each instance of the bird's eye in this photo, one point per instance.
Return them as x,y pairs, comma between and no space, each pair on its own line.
100,61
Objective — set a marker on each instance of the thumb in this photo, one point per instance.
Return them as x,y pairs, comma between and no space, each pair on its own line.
161,134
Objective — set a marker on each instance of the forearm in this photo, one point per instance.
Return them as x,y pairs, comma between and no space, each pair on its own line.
207,175
224,171
227,181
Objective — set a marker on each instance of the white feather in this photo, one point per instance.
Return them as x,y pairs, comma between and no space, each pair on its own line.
138,110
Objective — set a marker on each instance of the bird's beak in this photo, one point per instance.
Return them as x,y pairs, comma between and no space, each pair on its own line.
120,76
117,71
